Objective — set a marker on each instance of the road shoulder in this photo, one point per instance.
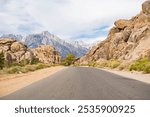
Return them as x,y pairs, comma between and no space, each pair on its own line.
10,83
132,75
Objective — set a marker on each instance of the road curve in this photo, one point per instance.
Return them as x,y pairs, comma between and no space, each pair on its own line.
83,83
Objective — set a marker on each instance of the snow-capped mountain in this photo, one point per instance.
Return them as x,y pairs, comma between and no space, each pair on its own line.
12,36
46,38
82,43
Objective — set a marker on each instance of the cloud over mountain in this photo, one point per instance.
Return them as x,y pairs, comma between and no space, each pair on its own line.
70,19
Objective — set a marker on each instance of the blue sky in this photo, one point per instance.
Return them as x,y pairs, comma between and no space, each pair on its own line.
69,19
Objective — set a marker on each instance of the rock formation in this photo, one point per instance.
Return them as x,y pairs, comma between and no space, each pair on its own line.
47,54
128,40
15,51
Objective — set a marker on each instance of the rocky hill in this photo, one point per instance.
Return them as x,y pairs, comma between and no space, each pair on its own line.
127,41
15,52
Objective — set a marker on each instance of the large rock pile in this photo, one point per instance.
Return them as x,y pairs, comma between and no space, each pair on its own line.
15,51
47,54
128,40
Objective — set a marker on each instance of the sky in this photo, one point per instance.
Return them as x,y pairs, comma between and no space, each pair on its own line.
88,20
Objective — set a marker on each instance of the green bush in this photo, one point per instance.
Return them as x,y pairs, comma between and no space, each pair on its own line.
140,65
2,60
24,62
110,63
41,66
70,58
12,70
35,61
147,68
24,69
29,68
113,64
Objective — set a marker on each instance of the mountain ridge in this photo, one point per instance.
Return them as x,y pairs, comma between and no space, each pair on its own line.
46,38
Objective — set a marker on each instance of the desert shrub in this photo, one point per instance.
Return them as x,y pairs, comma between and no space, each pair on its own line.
102,64
142,64
147,68
110,64
113,64
35,61
12,70
24,69
41,66
2,60
30,68
91,63
24,62
70,58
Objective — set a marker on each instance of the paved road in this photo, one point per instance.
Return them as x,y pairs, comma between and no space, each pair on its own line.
84,83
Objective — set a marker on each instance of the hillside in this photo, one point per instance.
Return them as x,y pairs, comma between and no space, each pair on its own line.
127,41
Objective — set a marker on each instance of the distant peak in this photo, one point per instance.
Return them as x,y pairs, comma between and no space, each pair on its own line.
46,33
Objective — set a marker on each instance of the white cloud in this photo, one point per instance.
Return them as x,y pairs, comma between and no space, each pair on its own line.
65,18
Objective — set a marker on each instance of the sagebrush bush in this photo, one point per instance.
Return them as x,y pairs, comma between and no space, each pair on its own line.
147,68
24,62
102,64
12,70
41,66
24,69
2,60
113,64
142,64
35,61
109,63
30,68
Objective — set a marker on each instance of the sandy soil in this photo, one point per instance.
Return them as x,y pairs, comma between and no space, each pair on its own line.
11,83
132,75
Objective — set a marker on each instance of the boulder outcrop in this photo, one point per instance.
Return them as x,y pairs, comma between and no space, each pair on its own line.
15,51
128,40
47,54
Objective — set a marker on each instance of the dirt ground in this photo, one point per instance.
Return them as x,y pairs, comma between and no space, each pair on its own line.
10,83
132,75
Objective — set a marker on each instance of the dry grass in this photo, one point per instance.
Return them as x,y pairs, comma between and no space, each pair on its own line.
24,69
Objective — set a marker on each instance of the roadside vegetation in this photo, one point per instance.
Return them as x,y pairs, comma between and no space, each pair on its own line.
2,60
108,63
23,67
142,64
69,60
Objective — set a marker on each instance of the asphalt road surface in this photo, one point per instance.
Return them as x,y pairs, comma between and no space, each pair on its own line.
83,83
